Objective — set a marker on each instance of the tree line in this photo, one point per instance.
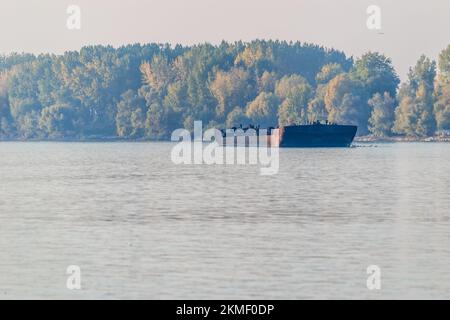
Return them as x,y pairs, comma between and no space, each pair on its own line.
147,91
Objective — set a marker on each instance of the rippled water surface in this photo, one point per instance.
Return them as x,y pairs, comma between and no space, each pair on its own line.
141,227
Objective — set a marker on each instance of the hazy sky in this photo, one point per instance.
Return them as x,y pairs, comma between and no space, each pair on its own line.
409,27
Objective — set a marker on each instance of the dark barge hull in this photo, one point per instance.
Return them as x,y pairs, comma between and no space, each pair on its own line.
315,136
302,136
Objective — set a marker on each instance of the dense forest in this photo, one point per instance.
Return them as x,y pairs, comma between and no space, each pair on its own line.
147,91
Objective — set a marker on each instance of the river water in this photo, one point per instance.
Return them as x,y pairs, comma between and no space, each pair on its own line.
139,226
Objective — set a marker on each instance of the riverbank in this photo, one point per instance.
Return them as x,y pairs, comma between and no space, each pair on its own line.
373,139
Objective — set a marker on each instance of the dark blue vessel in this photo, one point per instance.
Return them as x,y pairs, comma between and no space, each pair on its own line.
316,136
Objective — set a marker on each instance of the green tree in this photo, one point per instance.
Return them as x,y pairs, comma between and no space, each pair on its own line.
131,115
157,73
442,108
6,121
156,123
345,100
149,90
317,110
236,118
377,73
415,115
267,82
263,110
258,54
295,92
176,104
28,125
56,121
230,88
328,72
442,91
444,65
383,114
293,86
289,113
406,117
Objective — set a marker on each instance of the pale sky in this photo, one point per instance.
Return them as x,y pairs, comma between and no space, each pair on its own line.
409,28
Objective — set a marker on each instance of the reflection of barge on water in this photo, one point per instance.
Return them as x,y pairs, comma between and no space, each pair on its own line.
316,135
